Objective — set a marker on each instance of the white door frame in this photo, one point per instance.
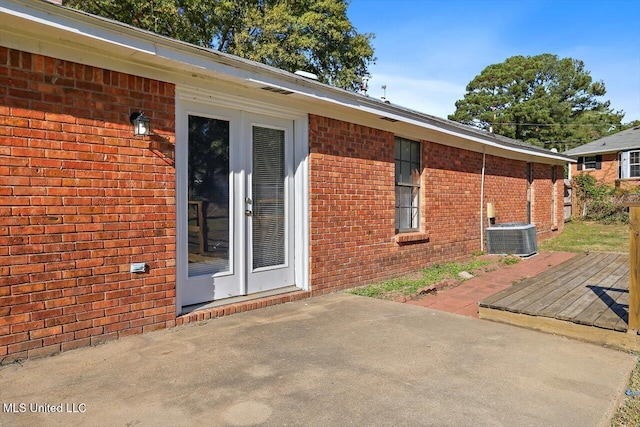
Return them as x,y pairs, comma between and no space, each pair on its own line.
217,104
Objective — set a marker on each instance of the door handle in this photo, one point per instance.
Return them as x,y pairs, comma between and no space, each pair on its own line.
248,212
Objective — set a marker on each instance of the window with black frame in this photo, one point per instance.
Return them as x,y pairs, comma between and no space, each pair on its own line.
590,162
407,170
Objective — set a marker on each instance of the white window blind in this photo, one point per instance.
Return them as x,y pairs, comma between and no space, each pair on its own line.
268,189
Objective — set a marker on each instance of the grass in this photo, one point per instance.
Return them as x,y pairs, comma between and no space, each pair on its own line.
409,285
581,236
628,414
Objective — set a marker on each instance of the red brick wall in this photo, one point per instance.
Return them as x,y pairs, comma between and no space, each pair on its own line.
542,192
81,199
352,211
352,222
608,172
452,181
506,188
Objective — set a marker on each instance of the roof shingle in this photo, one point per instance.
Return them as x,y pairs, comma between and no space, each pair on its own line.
622,141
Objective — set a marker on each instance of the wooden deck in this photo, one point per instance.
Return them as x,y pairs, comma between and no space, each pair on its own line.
586,297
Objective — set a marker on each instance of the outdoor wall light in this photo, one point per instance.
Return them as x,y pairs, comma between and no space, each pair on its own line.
140,124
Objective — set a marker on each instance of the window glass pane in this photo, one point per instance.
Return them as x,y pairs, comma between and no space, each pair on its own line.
634,157
405,218
415,174
415,152
590,162
634,171
403,196
268,185
397,148
208,196
406,150
415,192
405,174
414,218
398,177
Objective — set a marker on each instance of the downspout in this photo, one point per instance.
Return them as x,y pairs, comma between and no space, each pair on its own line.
484,157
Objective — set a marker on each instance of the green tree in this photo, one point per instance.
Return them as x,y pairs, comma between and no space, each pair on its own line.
540,99
630,125
310,35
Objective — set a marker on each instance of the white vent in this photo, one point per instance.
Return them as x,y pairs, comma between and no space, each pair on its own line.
306,75
512,239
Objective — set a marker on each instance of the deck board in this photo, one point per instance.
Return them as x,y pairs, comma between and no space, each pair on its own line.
562,286
555,306
573,310
602,304
522,289
591,289
618,313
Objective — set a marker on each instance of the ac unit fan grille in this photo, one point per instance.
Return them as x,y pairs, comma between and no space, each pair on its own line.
512,239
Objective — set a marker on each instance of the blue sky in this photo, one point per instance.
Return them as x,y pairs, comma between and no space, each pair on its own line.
429,50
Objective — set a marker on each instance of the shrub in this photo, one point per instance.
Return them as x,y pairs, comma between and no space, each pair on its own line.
601,202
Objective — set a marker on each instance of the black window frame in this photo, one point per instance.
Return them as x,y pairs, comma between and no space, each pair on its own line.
590,162
407,187
594,162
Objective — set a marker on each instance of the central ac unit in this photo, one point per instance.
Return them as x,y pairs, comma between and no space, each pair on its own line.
512,238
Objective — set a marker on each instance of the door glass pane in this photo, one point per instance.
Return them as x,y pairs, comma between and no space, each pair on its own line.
208,203
268,187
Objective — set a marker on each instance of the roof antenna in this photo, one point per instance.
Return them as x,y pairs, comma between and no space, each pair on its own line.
384,95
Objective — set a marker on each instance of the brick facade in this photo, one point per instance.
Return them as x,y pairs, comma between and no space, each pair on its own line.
352,179
543,190
608,172
81,199
608,175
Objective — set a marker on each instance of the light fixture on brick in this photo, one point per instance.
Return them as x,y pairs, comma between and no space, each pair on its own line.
140,124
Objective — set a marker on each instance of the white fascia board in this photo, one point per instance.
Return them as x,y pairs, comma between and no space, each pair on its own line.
172,55
588,153
595,152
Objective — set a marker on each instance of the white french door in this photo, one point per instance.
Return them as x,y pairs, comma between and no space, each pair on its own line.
269,206
236,206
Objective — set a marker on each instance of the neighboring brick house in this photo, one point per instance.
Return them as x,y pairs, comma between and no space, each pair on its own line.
254,187
612,160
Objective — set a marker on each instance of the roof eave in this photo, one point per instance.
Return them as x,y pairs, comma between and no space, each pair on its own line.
146,45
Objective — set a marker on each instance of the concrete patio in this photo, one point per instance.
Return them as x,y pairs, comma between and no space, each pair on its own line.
332,360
